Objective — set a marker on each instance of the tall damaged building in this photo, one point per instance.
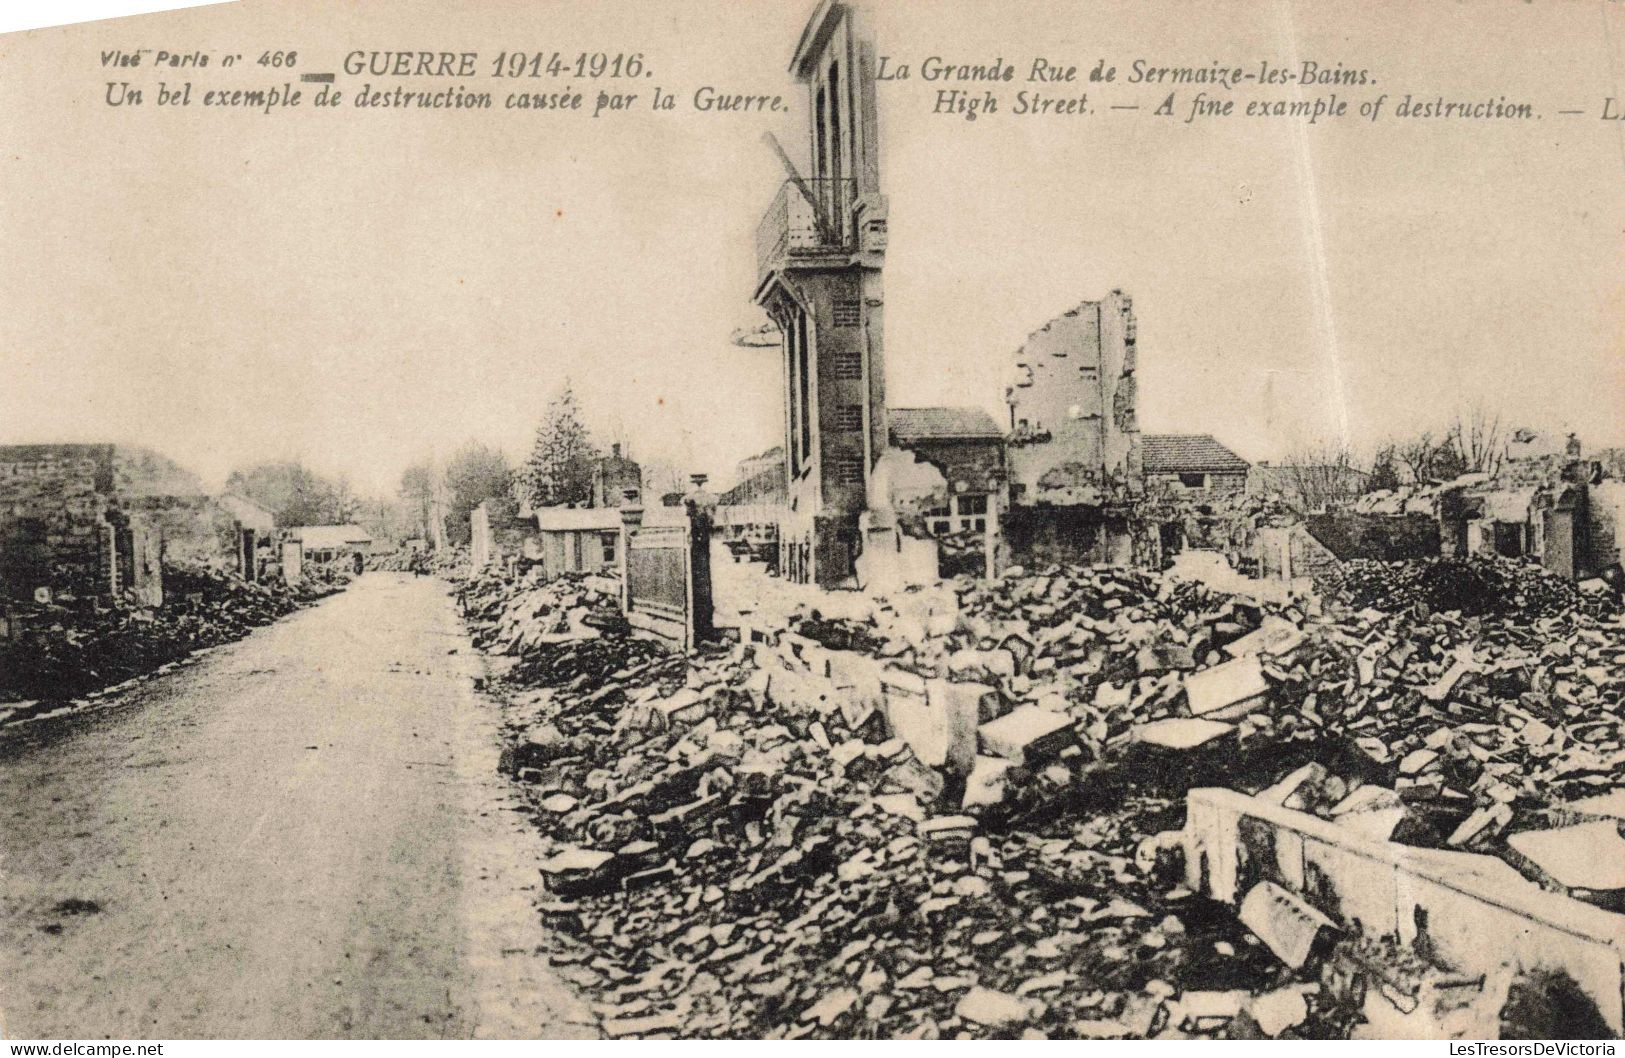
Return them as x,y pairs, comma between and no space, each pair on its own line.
1074,452
820,248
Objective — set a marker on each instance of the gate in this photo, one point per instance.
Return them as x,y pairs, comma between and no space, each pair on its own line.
666,576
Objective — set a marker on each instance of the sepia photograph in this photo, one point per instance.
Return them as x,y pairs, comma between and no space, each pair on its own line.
873,520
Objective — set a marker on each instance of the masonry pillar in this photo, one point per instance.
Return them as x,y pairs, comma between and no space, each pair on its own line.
701,506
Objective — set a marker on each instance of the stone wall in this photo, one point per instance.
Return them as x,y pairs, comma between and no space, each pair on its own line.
1388,538
1606,508
54,500
1218,484
1036,537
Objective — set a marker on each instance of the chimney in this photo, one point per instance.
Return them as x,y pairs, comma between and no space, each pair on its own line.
615,450
698,480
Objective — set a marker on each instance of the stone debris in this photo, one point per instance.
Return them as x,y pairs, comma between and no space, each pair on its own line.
1026,734
1277,1011
1228,691
984,1006
1284,922
1587,856
950,813
54,652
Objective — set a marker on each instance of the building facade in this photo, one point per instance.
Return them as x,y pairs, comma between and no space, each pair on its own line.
820,250
1074,454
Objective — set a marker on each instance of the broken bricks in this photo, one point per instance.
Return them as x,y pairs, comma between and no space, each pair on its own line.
1227,691
1026,735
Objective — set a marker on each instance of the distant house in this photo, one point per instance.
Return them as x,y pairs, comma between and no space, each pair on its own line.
761,481
325,543
1195,462
966,447
748,514
772,459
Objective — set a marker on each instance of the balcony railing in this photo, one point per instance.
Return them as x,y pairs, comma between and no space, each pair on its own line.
808,218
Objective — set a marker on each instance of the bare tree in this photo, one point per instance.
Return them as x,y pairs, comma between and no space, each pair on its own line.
1320,475
1428,458
1478,437
417,494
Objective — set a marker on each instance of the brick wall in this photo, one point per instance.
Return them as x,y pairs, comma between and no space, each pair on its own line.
1074,408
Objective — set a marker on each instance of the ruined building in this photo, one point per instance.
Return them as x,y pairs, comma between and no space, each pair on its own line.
616,480
1198,465
96,521
1074,458
819,249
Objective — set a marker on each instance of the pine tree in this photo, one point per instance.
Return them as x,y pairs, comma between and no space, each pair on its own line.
559,470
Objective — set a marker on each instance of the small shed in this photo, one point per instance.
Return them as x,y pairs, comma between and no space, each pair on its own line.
328,543
586,539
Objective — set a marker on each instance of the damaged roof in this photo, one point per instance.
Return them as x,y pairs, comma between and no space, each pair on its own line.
1179,453
914,425
600,519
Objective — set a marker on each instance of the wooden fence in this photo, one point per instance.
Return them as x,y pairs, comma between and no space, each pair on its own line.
666,577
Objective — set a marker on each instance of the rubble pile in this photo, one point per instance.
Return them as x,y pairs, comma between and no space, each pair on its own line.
1478,721
402,560
1464,728
1471,586
555,629
449,562
61,653
1109,648
1515,706
748,843
319,579
744,861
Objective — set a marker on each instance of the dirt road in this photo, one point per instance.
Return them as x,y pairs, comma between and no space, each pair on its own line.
302,835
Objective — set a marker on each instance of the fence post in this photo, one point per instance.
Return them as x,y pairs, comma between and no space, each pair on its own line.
631,519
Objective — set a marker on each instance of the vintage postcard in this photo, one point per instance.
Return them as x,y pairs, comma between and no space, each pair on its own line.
831,519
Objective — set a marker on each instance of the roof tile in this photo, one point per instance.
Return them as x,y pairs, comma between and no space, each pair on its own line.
1176,453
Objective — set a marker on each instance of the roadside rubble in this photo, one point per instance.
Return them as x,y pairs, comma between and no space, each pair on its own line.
1470,586
1473,719
754,841
447,562
61,653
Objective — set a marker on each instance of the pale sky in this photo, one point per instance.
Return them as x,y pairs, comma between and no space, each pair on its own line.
359,288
